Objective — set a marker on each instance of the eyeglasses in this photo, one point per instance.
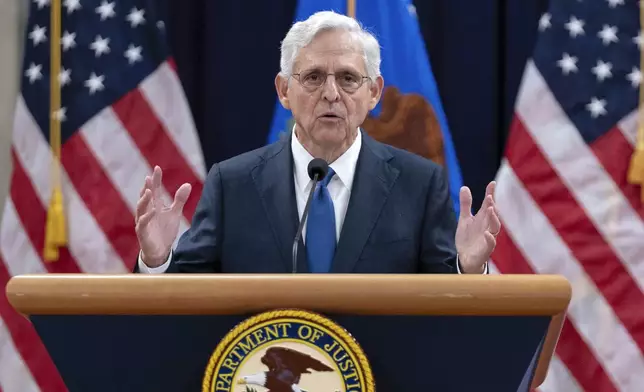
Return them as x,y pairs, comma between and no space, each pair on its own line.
346,80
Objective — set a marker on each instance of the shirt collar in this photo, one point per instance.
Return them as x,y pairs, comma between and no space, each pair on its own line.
344,167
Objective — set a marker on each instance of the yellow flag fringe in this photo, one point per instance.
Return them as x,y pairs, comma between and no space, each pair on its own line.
636,169
55,227
55,230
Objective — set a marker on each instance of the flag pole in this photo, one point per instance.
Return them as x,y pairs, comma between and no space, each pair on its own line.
351,8
636,169
55,227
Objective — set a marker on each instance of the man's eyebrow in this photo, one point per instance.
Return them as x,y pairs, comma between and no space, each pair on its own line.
317,68
348,68
311,69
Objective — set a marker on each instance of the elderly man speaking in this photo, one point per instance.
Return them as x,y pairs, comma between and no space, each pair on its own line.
377,209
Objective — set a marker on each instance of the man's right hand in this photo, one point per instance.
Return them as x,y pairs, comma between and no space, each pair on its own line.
157,225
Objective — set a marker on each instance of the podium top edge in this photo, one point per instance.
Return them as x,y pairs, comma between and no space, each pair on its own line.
133,279
66,294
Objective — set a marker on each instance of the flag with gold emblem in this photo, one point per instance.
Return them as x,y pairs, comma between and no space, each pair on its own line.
410,114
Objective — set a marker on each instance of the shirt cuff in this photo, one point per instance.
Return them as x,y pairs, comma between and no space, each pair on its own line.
458,266
154,270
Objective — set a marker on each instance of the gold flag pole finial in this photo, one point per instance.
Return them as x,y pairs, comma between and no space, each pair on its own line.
55,227
636,169
351,8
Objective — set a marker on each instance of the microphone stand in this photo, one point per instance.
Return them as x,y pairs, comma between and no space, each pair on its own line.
296,242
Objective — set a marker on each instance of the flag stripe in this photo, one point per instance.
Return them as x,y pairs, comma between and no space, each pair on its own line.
87,243
573,226
103,201
114,150
17,256
508,258
614,153
547,253
30,206
580,360
559,379
18,252
582,174
23,259
588,370
121,160
33,151
14,373
152,140
628,127
28,343
33,216
164,93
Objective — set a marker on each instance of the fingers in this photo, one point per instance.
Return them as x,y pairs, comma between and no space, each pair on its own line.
143,205
152,195
148,193
181,197
490,240
144,220
465,198
147,184
488,201
494,223
156,185
149,181
491,187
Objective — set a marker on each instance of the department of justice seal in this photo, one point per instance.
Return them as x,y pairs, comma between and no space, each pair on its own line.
288,350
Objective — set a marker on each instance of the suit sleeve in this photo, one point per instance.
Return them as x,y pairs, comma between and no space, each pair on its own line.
198,249
438,249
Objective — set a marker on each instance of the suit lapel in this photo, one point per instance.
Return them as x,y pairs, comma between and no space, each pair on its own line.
274,181
372,183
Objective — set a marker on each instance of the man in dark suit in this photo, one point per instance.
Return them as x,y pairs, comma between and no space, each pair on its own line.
378,210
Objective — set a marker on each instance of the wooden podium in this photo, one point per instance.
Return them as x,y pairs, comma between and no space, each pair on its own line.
418,332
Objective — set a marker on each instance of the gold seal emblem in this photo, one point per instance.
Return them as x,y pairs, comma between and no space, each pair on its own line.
288,351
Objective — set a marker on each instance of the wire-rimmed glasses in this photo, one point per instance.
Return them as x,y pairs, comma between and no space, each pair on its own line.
347,80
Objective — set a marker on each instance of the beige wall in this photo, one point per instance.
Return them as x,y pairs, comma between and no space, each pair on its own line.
13,17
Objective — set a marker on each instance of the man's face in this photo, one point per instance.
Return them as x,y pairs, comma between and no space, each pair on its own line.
328,114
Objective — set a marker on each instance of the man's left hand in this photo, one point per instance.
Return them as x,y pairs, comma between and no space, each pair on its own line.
476,234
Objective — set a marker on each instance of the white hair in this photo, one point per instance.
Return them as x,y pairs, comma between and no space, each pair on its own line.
303,32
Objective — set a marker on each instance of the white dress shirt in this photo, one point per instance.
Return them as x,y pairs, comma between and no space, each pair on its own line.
339,188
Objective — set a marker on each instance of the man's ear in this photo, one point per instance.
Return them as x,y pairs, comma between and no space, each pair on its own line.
281,86
375,88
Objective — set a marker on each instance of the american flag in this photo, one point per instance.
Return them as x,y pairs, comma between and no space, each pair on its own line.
563,193
122,111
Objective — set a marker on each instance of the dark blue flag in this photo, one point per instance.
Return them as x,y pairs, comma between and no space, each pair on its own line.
405,68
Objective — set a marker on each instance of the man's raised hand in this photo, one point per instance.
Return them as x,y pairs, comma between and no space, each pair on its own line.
156,224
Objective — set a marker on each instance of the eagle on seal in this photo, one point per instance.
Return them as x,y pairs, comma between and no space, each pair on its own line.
285,366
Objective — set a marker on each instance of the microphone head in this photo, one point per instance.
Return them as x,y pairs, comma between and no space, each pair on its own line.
318,166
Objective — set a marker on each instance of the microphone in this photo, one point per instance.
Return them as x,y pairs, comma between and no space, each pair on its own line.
317,170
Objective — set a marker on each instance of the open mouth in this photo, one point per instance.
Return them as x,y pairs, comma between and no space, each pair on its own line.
330,116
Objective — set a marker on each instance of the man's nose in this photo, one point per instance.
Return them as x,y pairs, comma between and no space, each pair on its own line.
330,89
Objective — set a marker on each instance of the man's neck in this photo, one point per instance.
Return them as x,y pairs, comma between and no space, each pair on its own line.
328,153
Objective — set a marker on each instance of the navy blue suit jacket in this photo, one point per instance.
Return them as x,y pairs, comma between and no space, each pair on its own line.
399,218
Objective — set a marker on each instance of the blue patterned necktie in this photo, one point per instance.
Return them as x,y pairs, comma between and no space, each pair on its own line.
320,228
